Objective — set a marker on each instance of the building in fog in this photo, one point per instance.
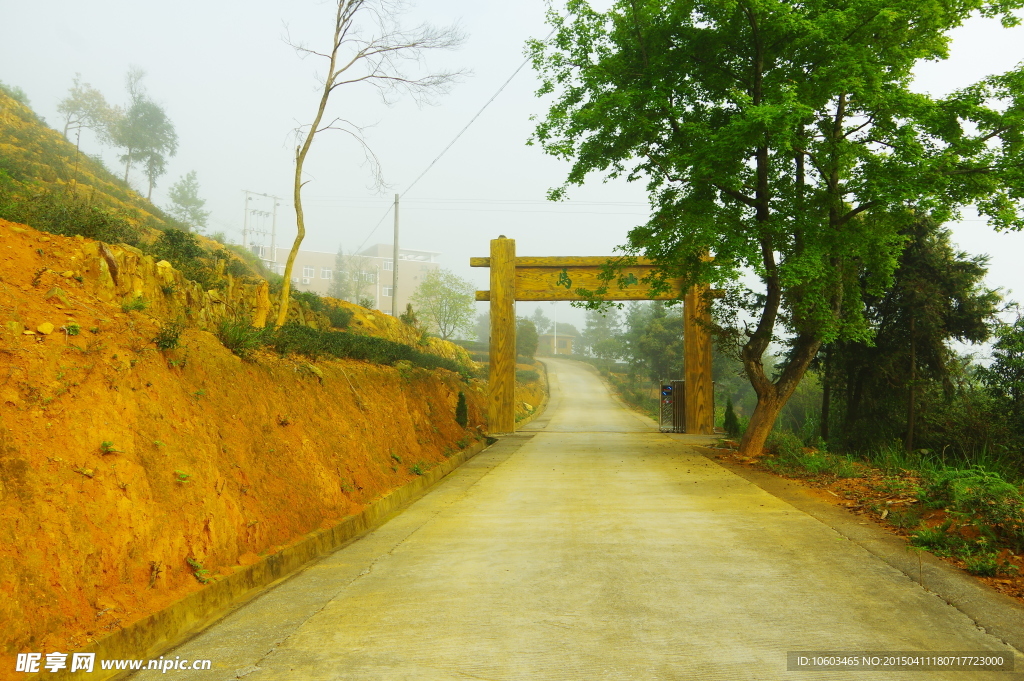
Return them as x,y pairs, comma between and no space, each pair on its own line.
548,344
368,274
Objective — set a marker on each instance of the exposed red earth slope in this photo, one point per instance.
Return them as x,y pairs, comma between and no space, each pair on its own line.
120,463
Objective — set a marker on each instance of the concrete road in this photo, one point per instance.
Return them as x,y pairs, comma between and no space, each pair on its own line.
586,547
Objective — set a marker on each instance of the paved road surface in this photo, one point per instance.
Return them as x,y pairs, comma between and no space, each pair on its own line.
586,547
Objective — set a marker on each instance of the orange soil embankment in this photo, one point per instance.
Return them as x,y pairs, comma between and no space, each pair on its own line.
120,463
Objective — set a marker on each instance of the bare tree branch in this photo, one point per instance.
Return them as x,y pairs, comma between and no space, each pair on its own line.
369,46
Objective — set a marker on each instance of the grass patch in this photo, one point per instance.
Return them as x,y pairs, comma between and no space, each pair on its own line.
241,337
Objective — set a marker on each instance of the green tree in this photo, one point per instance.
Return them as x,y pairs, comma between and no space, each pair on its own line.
783,139
86,107
653,341
482,327
540,321
937,296
600,336
1005,377
144,132
15,93
353,276
369,47
526,337
186,206
446,302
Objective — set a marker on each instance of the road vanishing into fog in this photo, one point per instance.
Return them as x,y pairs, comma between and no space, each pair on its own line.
589,546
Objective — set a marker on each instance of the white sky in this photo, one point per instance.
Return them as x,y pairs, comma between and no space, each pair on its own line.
235,91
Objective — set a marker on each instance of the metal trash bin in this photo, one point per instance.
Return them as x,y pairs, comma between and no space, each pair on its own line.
673,407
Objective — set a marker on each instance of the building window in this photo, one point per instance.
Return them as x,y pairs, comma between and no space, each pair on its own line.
308,272
370,277
389,291
325,273
389,265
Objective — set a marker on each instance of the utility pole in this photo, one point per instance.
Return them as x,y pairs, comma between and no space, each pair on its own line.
394,267
245,221
554,342
273,236
262,232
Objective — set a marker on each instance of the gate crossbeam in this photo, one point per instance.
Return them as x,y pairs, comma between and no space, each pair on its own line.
557,278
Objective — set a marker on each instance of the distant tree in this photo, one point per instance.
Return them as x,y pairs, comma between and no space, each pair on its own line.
653,340
526,337
483,327
186,206
1005,377
409,317
567,329
446,302
353,275
374,56
15,93
600,334
86,107
144,132
541,321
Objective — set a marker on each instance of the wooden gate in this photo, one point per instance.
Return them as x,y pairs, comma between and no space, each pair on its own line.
540,279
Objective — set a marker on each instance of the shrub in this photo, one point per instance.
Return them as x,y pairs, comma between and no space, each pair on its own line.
339,317
296,338
167,337
527,376
240,337
184,252
979,496
409,316
63,212
461,411
137,304
732,423
938,540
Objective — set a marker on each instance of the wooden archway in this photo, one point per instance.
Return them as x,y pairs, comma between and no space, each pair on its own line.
538,279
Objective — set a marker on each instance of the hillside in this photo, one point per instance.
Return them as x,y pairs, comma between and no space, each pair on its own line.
38,167
123,467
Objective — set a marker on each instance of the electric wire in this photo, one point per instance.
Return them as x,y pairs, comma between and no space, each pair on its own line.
450,144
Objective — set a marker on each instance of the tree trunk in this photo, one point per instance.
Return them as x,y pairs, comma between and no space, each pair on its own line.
908,442
760,427
772,396
340,25
826,394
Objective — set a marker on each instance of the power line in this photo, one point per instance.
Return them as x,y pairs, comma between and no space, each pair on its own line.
450,144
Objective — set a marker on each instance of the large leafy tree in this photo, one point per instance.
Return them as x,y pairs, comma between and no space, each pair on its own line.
445,302
783,139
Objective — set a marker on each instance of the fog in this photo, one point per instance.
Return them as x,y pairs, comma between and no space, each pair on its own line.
235,91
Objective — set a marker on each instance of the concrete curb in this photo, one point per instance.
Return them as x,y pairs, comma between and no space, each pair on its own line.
163,630
997,614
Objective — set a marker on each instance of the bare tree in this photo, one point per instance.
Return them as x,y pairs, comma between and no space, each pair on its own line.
371,47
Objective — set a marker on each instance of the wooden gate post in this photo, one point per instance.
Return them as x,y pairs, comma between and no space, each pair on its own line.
699,390
501,411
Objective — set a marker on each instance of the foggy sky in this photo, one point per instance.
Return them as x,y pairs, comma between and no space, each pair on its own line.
235,91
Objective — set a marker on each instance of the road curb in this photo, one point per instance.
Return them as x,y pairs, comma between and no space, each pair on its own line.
151,636
995,613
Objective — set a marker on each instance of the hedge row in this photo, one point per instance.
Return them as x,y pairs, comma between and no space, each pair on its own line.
313,343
